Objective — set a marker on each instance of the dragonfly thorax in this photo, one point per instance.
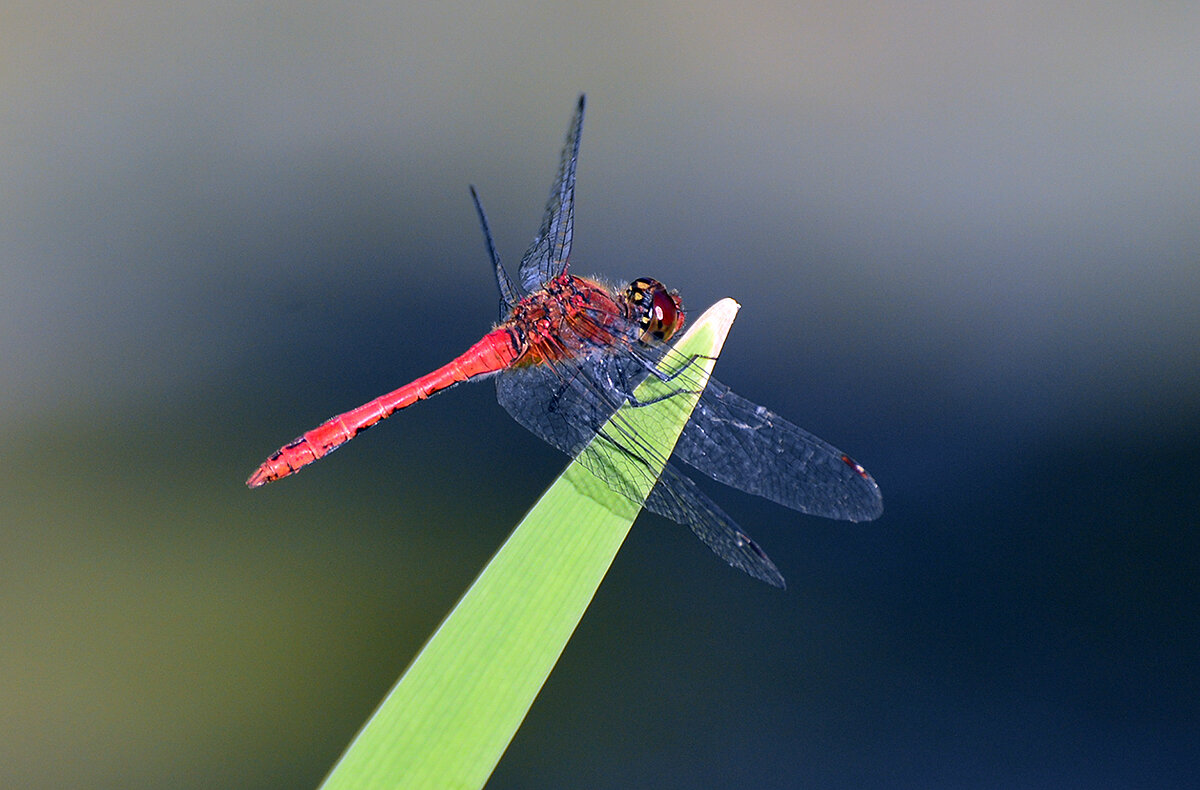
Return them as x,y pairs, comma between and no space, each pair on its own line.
658,312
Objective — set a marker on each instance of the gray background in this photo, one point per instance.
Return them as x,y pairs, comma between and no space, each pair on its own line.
966,244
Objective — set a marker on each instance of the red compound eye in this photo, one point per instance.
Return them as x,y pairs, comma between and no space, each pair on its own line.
658,311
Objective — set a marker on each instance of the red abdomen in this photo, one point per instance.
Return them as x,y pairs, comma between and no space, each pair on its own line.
495,351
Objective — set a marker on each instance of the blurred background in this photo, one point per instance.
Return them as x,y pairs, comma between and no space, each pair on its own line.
966,246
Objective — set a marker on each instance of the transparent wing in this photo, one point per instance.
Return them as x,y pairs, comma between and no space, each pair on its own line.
508,292
751,448
568,404
547,254
564,404
679,499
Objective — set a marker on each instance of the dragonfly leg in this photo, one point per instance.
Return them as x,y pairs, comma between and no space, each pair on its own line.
687,365
637,404
691,360
683,367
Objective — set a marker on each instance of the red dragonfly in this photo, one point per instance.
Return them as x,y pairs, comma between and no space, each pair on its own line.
569,352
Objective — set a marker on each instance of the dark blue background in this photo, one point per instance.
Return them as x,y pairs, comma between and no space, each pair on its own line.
966,247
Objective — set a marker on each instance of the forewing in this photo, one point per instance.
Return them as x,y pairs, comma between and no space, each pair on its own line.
751,448
547,254
508,292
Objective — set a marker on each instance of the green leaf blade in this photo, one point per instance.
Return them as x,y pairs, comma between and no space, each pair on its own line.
448,720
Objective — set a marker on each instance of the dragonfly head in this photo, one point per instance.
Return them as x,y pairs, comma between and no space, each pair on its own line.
658,312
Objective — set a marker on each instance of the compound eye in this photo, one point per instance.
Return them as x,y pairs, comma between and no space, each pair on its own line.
660,311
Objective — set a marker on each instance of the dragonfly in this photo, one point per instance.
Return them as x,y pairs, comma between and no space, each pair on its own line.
568,353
